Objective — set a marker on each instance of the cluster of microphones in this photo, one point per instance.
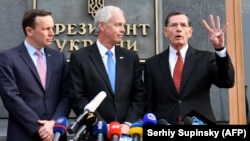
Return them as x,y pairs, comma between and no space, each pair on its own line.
87,122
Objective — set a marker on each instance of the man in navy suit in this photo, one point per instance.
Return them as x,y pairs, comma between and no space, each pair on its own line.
88,73
32,107
201,70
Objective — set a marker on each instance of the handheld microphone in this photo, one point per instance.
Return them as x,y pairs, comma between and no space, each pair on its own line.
136,131
149,119
163,121
114,132
60,128
88,121
90,107
100,129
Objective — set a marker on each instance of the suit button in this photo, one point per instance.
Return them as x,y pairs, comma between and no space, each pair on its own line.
179,101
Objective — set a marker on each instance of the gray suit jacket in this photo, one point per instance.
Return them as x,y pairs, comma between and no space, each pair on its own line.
25,98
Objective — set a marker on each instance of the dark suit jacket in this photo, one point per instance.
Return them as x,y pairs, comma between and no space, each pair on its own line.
23,94
201,70
88,77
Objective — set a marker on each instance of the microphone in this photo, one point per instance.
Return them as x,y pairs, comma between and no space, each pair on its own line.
60,128
90,107
88,121
163,121
198,119
188,121
149,119
114,132
100,129
136,131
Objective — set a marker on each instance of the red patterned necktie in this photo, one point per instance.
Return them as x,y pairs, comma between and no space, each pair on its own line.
41,68
178,71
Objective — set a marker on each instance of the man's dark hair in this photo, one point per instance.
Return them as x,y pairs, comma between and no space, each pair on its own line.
30,17
177,13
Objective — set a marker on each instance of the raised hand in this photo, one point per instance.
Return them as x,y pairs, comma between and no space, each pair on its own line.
216,34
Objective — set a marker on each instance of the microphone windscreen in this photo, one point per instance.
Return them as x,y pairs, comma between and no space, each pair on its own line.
136,129
95,102
149,119
114,129
163,122
100,127
61,125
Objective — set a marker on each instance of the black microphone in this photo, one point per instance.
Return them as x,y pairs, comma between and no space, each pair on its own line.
60,128
90,107
88,121
188,121
100,130
163,121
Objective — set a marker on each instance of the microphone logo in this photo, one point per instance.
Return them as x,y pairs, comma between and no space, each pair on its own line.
99,125
151,116
115,126
60,120
90,115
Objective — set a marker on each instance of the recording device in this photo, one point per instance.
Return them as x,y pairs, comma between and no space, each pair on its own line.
114,132
198,119
100,130
136,131
149,119
163,121
60,128
90,107
88,121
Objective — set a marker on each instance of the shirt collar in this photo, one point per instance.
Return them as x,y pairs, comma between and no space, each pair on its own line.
183,51
103,49
31,49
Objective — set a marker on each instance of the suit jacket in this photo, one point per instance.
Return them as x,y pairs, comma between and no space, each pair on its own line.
88,77
201,70
24,96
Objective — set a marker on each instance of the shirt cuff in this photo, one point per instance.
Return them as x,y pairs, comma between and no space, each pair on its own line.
222,53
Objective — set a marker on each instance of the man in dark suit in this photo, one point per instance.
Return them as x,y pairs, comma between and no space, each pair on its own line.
201,69
34,106
88,75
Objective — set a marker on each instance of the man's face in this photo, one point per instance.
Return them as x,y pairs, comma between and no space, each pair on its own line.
178,31
114,30
42,35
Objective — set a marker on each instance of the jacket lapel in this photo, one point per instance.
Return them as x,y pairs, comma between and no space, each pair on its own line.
96,58
188,66
164,64
120,67
49,59
28,60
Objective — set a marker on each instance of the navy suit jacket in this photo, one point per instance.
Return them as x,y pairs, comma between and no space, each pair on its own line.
88,77
24,96
201,70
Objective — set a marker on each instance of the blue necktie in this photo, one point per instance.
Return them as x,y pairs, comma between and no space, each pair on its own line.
111,69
